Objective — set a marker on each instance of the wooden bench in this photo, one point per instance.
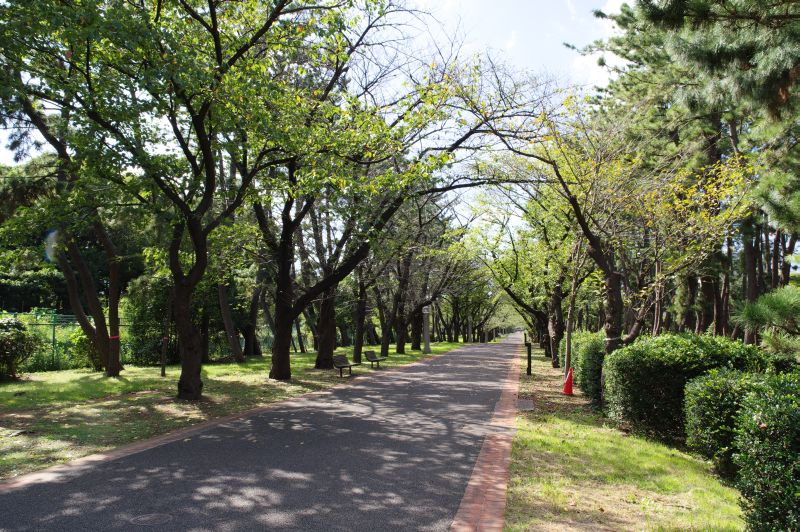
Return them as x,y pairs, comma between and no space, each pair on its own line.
340,362
373,359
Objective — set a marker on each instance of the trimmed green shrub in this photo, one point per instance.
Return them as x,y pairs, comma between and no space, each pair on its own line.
768,455
16,345
644,382
712,406
588,350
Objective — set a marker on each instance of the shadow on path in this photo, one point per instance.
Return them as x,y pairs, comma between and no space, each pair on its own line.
393,451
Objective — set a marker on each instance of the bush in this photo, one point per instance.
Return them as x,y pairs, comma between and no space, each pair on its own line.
712,406
768,455
588,350
16,345
644,382
82,353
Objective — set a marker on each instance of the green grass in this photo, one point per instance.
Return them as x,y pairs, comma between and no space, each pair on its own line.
72,413
572,470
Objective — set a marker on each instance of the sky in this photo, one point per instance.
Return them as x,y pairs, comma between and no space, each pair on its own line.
529,34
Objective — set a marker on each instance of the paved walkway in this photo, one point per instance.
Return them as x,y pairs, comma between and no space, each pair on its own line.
392,451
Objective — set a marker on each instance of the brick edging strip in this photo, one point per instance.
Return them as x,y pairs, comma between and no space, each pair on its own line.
484,502
66,471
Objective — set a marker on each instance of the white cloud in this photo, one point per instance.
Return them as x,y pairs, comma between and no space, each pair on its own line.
585,71
571,7
512,40
613,6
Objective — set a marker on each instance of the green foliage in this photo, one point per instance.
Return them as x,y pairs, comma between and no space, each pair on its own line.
768,444
776,316
82,352
145,307
16,345
712,406
644,382
588,351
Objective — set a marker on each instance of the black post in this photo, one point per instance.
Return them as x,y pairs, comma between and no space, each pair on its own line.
529,345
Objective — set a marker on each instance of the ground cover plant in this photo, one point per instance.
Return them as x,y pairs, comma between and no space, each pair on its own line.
571,469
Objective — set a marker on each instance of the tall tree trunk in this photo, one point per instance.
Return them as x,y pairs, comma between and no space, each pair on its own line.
751,273
614,312
555,321
360,316
708,301
251,346
384,321
776,260
786,266
299,333
326,331
726,287
114,262
231,334
720,316
416,331
573,293
284,297
95,308
73,294
372,334
282,344
190,385
344,334
401,331
758,250
689,317
659,299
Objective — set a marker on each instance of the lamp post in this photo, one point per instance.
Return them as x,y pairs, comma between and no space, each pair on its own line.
426,329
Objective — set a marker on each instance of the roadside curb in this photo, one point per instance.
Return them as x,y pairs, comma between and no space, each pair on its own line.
483,506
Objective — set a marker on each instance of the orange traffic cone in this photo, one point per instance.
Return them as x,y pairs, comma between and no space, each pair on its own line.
568,383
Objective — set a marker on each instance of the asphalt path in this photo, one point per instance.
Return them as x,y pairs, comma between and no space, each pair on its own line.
390,451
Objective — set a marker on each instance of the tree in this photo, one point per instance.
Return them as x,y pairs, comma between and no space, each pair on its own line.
194,77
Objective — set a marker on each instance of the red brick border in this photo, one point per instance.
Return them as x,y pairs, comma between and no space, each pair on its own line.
484,501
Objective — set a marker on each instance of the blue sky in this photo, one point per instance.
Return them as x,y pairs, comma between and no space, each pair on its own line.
531,33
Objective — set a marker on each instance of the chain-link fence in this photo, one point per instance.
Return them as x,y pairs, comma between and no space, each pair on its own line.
60,345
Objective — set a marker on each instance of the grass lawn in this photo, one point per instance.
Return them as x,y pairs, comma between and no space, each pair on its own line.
69,414
572,470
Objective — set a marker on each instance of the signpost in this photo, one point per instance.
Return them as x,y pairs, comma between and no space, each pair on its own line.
529,346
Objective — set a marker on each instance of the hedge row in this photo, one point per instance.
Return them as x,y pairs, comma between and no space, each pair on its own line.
644,382
767,453
587,362
736,404
712,407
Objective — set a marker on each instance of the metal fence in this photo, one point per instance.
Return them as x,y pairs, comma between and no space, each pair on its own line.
57,334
